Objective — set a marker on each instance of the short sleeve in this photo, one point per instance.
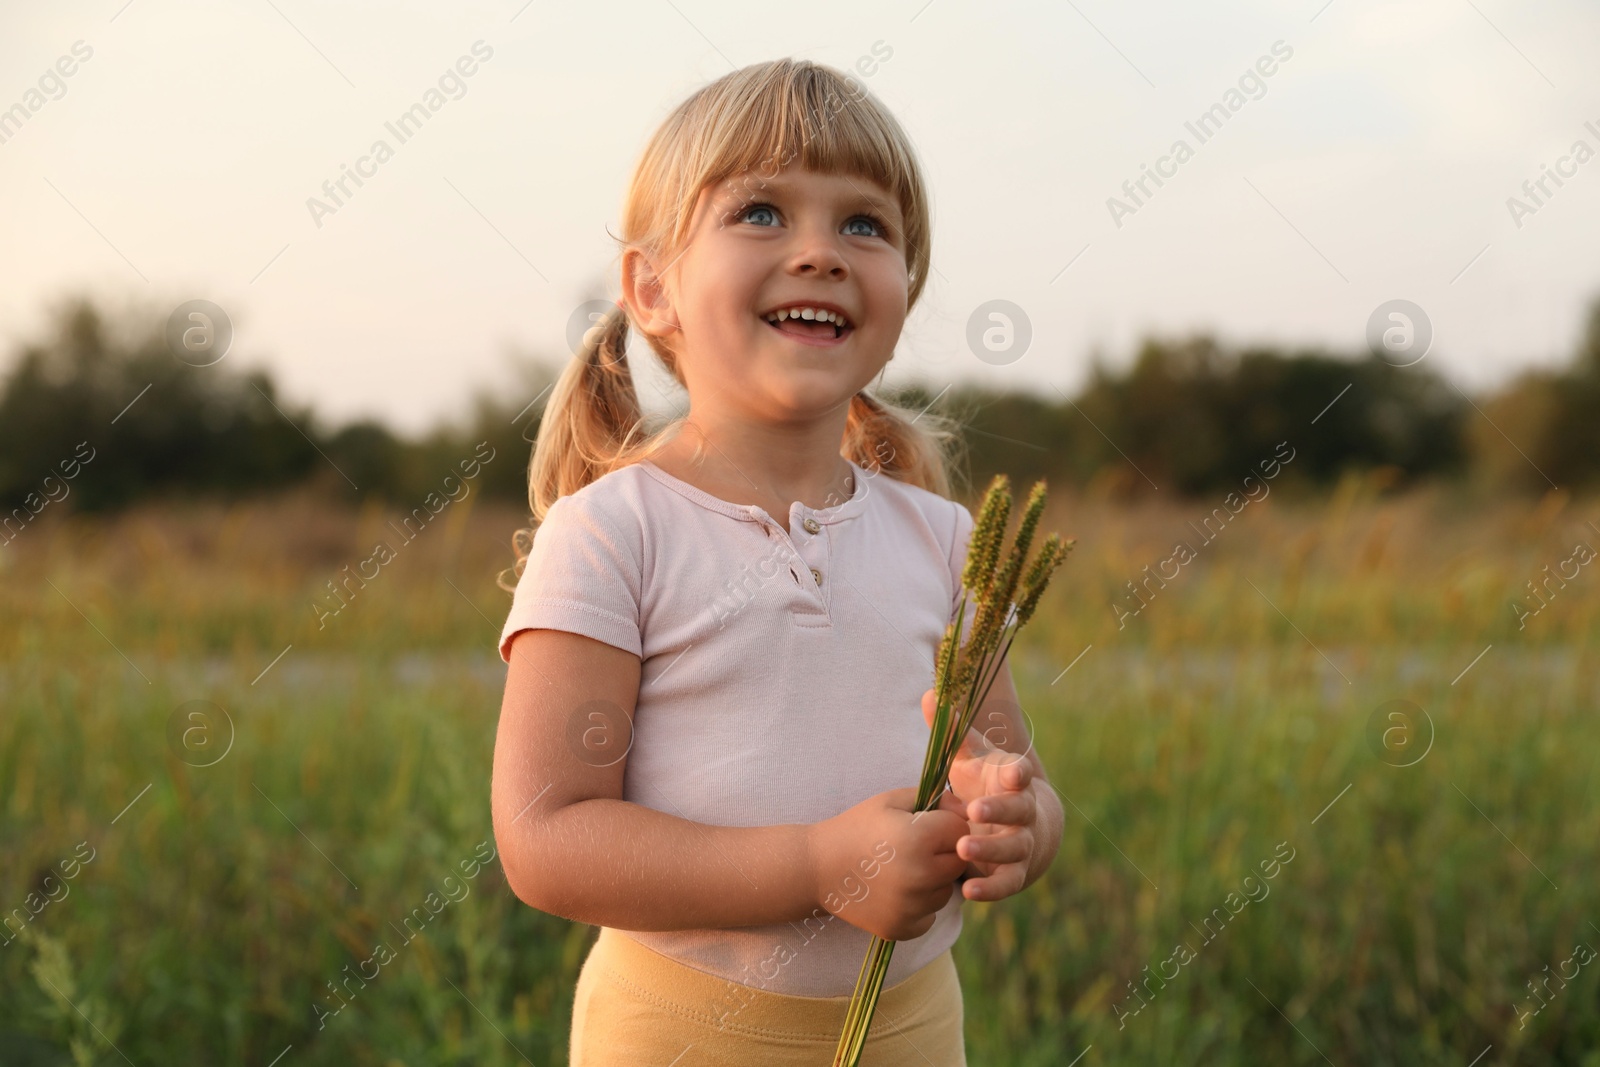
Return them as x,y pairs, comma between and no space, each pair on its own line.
959,540
582,576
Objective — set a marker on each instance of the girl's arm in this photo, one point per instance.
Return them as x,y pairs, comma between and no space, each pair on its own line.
571,846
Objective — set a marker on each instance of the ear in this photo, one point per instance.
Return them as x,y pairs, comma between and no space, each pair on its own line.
646,295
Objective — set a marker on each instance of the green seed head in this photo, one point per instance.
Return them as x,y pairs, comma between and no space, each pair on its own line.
983,550
1005,583
1051,555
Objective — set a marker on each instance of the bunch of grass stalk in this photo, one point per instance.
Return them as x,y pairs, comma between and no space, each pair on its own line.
963,674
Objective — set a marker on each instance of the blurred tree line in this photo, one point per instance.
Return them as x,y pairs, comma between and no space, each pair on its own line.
1188,415
158,426
1191,416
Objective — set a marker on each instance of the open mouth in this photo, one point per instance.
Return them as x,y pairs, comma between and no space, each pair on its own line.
810,325
810,331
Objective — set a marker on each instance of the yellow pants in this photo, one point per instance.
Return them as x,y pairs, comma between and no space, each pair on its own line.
637,1008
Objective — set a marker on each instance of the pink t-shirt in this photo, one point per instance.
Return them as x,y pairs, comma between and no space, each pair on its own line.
782,673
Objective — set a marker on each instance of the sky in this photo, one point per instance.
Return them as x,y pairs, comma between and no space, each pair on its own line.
1377,162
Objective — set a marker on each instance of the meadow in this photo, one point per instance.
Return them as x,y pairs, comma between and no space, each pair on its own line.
258,819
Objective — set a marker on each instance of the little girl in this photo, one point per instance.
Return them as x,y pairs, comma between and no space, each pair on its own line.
710,739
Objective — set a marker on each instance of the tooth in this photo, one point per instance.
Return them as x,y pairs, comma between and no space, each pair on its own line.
807,313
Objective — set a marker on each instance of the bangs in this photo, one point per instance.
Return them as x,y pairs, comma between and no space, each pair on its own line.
742,130
815,126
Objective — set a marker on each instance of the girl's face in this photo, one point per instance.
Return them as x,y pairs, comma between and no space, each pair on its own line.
800,239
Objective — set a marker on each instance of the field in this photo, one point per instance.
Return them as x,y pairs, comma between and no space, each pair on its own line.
226,864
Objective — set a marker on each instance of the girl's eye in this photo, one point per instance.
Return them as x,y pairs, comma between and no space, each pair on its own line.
751,213
755,208
876,223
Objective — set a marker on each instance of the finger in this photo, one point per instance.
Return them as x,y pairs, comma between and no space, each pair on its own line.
971,779
937,827
994,772
1004,882
1007,771
1013,847
1008,809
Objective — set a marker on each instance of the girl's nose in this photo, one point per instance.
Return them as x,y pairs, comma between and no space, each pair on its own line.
819,255
830,264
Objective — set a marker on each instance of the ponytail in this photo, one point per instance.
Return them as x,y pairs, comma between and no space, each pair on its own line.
591,426
883,437
592,407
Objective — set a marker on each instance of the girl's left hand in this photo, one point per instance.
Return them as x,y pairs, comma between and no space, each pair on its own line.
1002,809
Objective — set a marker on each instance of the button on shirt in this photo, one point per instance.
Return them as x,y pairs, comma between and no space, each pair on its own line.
781,675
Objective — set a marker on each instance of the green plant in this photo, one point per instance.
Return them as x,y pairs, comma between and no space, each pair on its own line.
80,1017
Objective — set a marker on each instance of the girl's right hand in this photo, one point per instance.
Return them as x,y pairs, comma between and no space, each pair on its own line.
885,868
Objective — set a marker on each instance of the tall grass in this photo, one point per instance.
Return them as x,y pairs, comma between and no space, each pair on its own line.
1230,717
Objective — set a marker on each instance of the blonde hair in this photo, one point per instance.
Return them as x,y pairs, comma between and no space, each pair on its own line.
748,124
